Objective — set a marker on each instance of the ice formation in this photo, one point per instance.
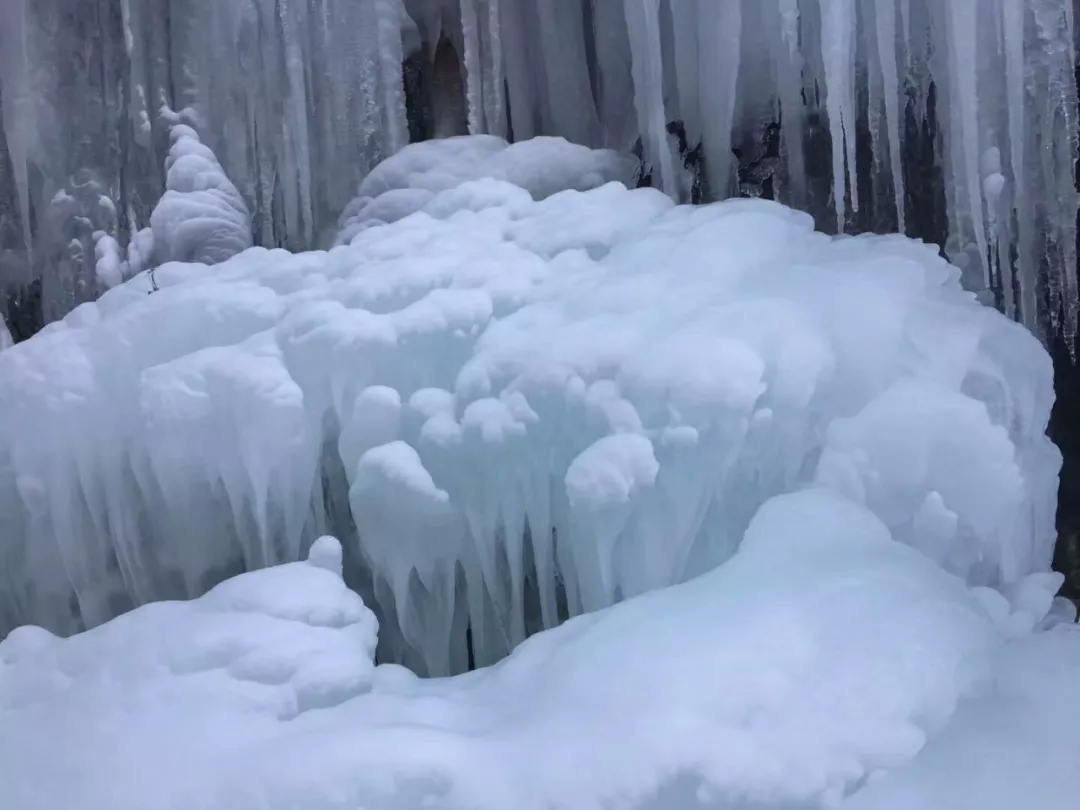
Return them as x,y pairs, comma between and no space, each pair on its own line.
303,98
405,183
512,410
201,217
5,334
823,665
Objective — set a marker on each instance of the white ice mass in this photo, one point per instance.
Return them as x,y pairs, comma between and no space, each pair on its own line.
512,410
793,491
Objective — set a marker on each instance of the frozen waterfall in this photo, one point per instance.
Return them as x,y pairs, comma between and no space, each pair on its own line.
954,120
513,404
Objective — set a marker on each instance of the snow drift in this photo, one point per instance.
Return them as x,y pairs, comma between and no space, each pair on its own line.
513,410
823,661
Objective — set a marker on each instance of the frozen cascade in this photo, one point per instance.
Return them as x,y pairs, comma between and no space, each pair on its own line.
302,98
512,404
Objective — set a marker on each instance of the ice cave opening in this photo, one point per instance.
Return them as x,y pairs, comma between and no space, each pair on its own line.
539,404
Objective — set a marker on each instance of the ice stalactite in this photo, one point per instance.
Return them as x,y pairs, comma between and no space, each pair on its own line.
643,26
838,52
17,108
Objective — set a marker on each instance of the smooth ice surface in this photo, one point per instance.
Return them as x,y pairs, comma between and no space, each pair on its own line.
823,661
513,410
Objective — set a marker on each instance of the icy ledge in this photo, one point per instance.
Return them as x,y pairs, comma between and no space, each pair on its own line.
513,405
812,666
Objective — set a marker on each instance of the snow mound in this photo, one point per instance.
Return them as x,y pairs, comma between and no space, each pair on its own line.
514,410
167,689
410,180
821,657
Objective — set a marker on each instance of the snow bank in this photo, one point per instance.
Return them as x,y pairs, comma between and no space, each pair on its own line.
165,692
822,656
513,410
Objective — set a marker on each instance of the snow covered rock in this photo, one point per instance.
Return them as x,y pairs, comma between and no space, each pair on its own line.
511,410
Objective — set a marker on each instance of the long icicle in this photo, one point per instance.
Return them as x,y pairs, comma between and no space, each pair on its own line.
886,46
492,70
719,37
643,24
837,35
1012,30
474,83
963,43
18,109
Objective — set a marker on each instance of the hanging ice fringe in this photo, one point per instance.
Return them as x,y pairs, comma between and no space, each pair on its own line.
968,107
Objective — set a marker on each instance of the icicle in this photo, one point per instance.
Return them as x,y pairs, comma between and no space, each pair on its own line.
1012,31
6,341
140,118
570,109
993,186
18,107
1069,200
615,83
493,72
520,82
789,25
388,15
885,18
837,33
788,67
643,25
719,35
470,27
905,28
964,61
684,18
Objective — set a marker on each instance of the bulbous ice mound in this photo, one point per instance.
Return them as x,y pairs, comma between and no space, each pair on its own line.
512,410
542,166
201,217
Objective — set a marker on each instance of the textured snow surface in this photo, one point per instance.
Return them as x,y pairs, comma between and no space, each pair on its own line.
513,410
822,658
5,334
